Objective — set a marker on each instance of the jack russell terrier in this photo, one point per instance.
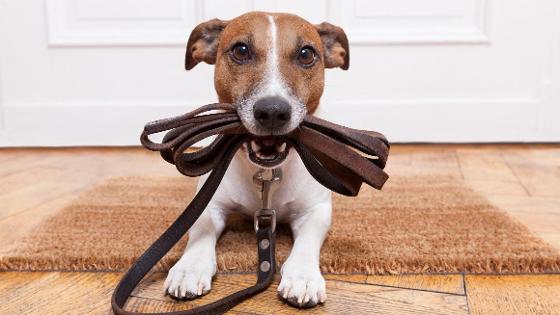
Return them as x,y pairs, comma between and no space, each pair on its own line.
271,66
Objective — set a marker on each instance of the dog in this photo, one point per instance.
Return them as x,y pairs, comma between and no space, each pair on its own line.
271,67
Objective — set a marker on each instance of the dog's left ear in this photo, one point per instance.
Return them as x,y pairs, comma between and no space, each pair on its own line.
335,45
203,43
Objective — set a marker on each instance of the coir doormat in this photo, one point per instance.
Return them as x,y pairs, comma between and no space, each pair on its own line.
415,225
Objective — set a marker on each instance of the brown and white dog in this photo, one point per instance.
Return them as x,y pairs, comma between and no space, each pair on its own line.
271,66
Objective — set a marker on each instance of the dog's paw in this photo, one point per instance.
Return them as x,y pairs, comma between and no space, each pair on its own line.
302,286
188,280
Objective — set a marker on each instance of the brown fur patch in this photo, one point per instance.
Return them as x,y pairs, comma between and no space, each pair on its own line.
233,81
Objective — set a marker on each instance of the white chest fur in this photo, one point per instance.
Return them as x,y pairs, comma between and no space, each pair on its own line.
297,190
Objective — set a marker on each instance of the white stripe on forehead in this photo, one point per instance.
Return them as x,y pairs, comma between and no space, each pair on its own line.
273,83
273,38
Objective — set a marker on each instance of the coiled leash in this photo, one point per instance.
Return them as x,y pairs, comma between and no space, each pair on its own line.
340,158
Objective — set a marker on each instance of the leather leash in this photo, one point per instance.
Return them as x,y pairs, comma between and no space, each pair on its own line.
340,158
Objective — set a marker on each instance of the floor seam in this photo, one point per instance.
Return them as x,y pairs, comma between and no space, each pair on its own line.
414,289
459,164
506,162
466,295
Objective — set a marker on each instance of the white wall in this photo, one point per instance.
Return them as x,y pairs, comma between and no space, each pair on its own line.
92,72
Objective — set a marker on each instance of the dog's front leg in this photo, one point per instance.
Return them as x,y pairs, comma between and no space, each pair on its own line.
302,284
192,275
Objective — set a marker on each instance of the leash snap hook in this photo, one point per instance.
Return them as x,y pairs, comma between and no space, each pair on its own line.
263,179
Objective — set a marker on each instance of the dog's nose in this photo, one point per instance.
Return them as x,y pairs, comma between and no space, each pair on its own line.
272,112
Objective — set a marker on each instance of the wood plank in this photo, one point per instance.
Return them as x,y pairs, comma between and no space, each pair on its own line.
344,296
15,227
138,304
9,155
150,288
357,278
441,162
547,156
442,159
484,165
89,292
56,292
541,176
528,204
452,284
32,196
522,294
497,187
24,162
16,181
152,295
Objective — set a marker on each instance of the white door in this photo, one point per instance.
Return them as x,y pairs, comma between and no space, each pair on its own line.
92,72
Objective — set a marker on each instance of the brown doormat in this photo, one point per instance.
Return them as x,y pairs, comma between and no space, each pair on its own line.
415,225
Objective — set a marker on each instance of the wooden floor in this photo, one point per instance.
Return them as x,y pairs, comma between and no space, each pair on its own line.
521,179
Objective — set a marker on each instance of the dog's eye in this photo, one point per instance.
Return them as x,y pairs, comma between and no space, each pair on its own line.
306,56
240,53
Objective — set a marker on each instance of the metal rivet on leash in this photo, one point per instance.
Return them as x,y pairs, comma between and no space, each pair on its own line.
264,243
265,266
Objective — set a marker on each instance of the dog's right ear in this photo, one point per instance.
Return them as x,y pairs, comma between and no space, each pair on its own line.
335,44
203,43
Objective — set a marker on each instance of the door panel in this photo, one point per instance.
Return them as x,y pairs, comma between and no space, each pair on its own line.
92,72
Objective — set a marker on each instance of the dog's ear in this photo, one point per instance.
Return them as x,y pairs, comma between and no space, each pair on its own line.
203,43
335,45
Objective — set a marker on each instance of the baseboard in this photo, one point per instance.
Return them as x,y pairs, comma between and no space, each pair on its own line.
80,125
424,121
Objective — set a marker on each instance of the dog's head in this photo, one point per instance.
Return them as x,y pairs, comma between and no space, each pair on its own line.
271,66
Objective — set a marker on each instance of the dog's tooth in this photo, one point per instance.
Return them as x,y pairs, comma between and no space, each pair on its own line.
281,147
262,156
255,147
268,157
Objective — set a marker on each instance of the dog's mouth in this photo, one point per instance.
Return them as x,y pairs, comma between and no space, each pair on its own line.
268,151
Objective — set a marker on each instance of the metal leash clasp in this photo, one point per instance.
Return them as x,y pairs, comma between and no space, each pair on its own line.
263,179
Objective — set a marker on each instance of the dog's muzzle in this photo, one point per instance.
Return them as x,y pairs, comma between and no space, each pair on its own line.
271,114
